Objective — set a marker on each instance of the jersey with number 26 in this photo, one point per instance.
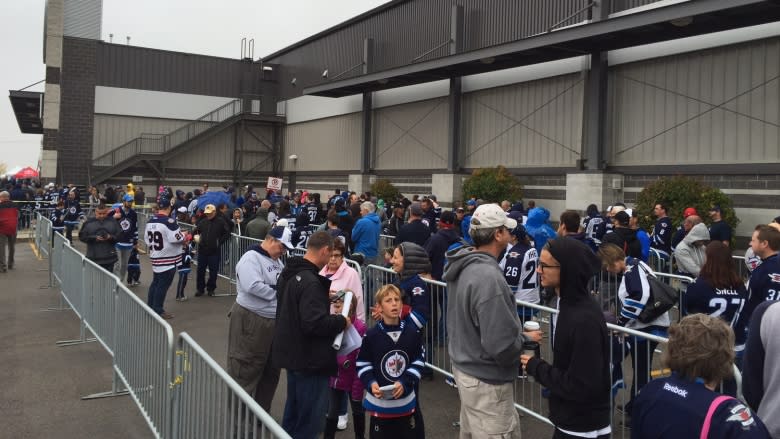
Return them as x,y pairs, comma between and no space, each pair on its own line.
164,240
519,266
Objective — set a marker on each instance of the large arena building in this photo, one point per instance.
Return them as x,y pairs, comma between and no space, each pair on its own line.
586,101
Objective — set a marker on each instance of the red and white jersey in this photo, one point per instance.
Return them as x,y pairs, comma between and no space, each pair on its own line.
164,240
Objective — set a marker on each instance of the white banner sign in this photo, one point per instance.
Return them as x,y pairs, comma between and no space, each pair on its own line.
274,184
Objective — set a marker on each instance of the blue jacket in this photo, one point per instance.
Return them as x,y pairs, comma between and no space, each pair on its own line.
365,235
538,228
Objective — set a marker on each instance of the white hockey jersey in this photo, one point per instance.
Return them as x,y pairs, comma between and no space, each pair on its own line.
164,241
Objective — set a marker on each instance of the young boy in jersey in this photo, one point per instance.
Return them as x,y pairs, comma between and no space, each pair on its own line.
389,365
133,268
185,268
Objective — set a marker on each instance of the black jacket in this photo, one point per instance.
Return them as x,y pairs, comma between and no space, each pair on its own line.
579,377
437,246
101,252
212,234
626,239
305,328
414,231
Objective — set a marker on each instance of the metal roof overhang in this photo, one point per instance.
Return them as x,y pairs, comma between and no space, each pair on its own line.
672,22
27,108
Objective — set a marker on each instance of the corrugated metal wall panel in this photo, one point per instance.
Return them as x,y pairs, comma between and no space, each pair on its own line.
716,106
622,5
533,124
256,151
324,144
113,131
151,69
408,30
82,18
214,153
411,136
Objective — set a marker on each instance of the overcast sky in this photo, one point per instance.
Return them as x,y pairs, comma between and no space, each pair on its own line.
196,26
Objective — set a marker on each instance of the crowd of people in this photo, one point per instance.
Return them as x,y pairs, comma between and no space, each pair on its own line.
490,255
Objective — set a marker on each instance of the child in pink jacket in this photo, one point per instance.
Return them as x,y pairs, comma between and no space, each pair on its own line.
346,383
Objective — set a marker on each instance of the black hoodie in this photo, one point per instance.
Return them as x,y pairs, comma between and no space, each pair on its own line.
626,239
579,377
305,328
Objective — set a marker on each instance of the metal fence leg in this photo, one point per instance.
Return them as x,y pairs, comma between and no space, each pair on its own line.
111,393
82,336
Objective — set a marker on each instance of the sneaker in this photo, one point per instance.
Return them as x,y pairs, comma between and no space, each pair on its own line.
183,299
136,283
342,424
211,293
198,293
451,382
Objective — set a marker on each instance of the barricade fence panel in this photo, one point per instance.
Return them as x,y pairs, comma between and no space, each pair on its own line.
210,404
57,252
99,288
143,356
72,272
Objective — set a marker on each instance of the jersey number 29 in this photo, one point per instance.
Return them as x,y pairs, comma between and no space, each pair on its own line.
155,240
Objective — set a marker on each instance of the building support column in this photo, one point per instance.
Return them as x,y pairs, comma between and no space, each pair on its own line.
365,137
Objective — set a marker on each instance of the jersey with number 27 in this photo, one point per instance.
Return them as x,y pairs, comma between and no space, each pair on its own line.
164,241
519,266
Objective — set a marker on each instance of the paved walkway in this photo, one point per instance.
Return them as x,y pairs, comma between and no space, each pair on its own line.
42,383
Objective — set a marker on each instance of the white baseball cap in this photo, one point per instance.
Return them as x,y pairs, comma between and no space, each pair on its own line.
282,234
490,216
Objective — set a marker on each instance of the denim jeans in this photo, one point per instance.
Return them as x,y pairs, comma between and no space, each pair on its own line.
159,288
307,405
212,263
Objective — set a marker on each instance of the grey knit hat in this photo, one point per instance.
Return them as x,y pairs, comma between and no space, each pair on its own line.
416,260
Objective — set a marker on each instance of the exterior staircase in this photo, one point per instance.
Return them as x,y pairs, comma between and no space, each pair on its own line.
162,147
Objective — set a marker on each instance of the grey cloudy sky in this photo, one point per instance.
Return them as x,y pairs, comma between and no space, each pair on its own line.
196,26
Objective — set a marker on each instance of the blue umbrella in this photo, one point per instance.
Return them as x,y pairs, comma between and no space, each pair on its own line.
215,198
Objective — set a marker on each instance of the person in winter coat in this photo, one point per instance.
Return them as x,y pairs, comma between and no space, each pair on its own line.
259,226
128,222
344,277
346,384
634,292
211,232
100,233
365,234
623,236
690,253
579,376
439,243
9,217
537,227
303,338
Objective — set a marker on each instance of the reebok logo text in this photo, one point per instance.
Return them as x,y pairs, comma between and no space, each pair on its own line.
675,389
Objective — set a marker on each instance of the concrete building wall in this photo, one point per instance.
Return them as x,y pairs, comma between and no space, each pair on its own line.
532,124
324,144
716,106
411,136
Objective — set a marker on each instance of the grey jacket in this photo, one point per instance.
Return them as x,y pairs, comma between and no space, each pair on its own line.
101,252
486,336
690,256
259,226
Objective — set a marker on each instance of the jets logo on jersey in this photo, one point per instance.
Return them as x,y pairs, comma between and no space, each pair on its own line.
513,255
171,220
774,277
416,291
394,364
741,414
72,210
125,224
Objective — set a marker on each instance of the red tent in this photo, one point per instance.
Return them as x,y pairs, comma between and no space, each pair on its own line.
26,173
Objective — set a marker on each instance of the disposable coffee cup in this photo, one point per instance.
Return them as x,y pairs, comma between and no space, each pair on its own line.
531,326
531,348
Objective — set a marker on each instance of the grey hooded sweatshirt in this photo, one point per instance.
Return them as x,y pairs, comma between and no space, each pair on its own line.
486,336
689,255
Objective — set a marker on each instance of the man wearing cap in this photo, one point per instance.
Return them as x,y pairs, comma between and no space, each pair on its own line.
623,236
415,230
164,240
128,222
249,352
719,230
486,336
211,232
681,231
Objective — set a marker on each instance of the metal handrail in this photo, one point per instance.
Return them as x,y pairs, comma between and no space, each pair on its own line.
166,142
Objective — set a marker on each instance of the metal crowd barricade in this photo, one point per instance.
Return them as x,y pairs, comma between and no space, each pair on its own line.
680,283
386,241
742,268
99,287
143,356
374,277
208,403
72,288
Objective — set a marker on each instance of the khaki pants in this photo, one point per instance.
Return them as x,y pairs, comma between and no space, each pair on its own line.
486,410
249,354
10,242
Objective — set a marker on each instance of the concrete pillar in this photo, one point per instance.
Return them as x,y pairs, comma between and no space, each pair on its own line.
448,188
600,188
359,183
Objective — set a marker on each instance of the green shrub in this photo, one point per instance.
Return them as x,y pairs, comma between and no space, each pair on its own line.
383,189
678,193
493,185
